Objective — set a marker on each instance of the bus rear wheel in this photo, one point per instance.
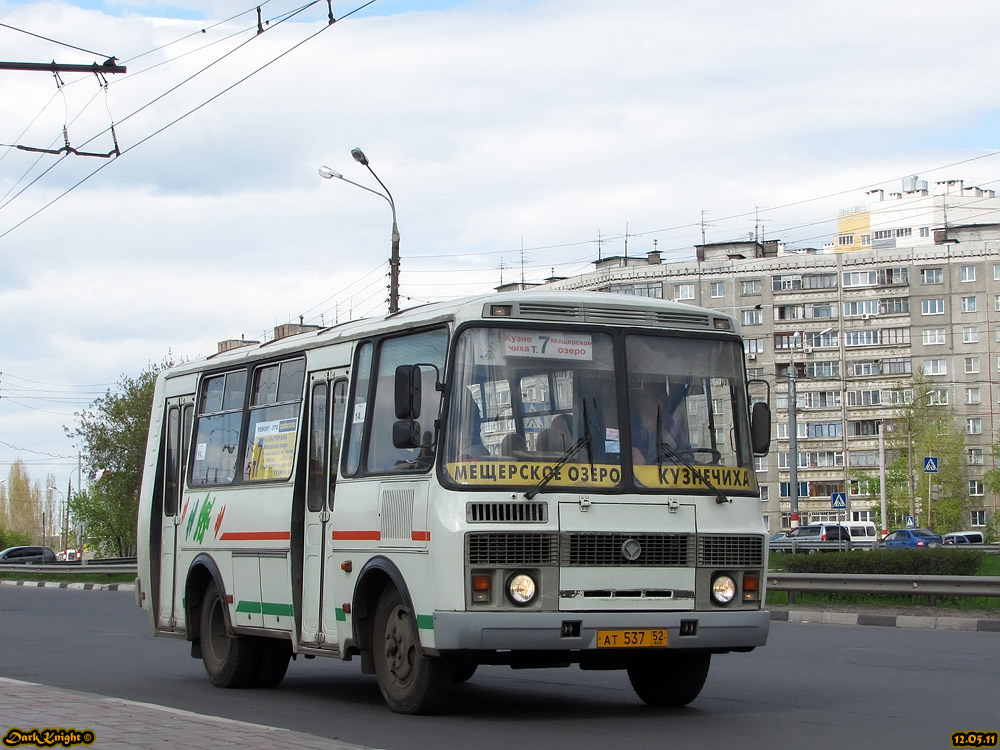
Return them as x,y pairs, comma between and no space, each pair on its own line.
230,660
411,682
670,678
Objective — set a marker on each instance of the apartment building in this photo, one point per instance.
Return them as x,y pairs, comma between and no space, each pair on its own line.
853,325
910,217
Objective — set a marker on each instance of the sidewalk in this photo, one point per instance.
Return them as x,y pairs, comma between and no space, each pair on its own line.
118,724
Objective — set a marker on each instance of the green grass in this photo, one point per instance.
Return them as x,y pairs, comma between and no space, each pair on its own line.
72,578
780,598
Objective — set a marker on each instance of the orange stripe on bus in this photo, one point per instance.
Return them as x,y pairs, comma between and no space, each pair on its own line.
356,536
421,536
256,536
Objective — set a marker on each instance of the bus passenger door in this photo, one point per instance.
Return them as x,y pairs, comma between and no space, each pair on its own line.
327,404
179,413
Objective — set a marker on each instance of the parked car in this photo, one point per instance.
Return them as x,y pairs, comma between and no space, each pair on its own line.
911,539
964,537
825,532
815,537
776,537
27,556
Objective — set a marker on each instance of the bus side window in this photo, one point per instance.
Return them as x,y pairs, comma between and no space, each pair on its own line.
427,349
317,446
218,425
355,428
337,431
171,469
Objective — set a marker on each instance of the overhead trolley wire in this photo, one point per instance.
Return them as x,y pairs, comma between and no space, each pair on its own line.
189,112
56,41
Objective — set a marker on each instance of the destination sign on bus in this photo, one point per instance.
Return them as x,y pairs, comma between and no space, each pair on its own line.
684,478
526,472
598,475
578,346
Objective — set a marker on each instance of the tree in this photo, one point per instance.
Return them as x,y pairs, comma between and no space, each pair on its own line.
24,503
112,434
928,428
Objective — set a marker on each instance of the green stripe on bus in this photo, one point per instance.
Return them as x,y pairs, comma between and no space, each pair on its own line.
425,622
267,608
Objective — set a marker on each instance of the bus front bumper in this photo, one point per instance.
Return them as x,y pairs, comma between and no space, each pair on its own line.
721,630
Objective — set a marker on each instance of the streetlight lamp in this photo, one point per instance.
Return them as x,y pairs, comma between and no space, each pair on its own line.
359,156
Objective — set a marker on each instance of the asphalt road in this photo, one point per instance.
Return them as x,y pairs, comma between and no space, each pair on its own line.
816,686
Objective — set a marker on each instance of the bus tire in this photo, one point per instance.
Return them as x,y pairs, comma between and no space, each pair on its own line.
272,662
230,660
411,683
670,678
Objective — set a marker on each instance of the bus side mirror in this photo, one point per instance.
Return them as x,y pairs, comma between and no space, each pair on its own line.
407,393
760,428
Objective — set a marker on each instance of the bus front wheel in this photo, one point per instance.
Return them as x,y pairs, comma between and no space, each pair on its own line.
272,662
230,660
411,682
670,678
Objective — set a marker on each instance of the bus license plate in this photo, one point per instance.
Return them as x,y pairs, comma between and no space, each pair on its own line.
650,638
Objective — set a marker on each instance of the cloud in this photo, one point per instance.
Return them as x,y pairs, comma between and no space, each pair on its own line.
495,126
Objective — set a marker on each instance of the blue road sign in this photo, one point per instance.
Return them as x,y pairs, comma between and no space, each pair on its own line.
930,465
839,500
910,523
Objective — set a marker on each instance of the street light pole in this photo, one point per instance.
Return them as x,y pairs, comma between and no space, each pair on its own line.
328,174
360,158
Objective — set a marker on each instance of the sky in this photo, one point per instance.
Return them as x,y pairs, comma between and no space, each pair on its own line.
518,138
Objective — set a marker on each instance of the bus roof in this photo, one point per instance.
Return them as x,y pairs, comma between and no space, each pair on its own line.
548,306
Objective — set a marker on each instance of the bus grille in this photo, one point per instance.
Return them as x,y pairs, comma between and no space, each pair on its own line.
608,549
507,512
730,551
502,548
581,549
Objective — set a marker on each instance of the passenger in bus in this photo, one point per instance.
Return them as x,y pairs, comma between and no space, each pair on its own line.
646,409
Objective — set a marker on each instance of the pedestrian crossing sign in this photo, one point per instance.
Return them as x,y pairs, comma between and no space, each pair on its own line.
930,465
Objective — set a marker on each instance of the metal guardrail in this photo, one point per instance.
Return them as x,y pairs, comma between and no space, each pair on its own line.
92,567
855,583
793,546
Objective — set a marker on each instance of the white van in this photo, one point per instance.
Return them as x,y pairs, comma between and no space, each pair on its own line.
863,533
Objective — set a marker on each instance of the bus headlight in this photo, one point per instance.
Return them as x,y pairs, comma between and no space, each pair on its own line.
723,589
521,589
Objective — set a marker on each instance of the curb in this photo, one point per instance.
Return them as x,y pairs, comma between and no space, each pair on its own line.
76,586
886,621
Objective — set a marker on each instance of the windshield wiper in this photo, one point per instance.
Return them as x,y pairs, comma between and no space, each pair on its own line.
573,449
663,448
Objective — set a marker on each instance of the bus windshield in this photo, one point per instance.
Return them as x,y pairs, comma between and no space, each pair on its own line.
534,405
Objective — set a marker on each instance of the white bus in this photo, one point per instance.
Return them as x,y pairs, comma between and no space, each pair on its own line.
530,479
